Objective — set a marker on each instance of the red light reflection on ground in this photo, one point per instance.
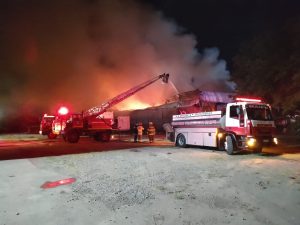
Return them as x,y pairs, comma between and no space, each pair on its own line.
53,184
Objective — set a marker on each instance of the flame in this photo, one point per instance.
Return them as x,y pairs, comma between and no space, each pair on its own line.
132,105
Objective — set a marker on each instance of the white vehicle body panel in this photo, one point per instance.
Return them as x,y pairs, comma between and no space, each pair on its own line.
199,136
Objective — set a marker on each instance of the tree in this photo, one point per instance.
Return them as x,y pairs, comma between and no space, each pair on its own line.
269,66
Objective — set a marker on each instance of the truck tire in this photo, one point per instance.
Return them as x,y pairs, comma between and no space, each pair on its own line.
258,148
106,137
72,136
181,141
52,136
97,136
230,146
102,136
64,137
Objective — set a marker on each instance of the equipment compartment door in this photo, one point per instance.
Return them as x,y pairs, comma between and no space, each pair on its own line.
123,123
195,138
209,139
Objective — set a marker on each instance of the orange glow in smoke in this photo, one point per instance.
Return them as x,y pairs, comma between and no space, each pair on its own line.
132,105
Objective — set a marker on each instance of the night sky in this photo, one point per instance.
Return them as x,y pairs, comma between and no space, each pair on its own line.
83,52
227,24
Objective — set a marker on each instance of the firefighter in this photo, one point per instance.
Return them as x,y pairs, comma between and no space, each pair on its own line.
135,132
151,132
140,130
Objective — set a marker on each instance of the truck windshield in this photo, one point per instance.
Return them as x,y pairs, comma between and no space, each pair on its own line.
258,112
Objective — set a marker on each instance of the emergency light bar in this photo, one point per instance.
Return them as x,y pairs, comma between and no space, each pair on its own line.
242,99
63,110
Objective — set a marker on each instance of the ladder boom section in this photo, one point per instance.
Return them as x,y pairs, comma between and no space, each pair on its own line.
97,110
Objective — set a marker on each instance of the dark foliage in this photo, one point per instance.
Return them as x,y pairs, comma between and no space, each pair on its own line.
269,66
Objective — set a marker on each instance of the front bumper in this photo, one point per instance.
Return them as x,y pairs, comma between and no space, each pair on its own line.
252,143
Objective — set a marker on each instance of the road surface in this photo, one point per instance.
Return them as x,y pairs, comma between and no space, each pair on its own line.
137,183
31,146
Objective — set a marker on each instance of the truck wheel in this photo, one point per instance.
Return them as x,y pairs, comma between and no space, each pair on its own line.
230,145
72,136
97,137
64,137
102,136
257,149
106,137
181,142
52,136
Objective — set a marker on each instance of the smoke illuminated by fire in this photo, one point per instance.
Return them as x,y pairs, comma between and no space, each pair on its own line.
131,104
85,52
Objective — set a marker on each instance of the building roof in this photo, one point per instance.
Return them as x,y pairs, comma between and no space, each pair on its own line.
195,97
216,97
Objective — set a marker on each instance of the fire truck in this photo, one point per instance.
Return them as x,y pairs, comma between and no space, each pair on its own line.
245,124
97,121
46,126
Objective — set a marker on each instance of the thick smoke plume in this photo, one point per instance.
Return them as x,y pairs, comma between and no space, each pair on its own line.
81,53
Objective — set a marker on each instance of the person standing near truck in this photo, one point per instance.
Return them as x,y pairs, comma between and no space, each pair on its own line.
151,132
140,130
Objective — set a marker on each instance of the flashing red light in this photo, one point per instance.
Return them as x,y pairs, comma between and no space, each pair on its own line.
248,99
53,184
63,110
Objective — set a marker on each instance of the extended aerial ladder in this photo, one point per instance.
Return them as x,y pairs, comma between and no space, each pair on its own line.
98,110
96,122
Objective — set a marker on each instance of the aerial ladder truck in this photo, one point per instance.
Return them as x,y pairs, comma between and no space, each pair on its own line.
96,121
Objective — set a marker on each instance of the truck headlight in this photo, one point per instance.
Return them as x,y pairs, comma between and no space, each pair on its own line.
251,142
275,140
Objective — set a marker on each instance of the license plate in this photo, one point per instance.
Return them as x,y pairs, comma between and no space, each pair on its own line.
266,141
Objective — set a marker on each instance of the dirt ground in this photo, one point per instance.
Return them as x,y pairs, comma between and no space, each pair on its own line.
152,185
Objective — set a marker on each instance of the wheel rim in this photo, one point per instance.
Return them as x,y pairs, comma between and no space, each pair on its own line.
181,140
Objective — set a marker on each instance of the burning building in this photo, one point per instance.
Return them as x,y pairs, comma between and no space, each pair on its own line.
185,102
85,52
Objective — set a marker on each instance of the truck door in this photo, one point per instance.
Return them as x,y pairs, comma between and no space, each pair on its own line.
235,121
233,116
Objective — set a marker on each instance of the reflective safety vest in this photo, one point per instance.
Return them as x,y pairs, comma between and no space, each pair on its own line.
140,130
151,130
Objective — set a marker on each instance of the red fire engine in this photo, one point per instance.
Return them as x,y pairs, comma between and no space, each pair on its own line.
246,123
96,122
46,126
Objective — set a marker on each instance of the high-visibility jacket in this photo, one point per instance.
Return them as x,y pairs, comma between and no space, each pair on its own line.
151,130
140,130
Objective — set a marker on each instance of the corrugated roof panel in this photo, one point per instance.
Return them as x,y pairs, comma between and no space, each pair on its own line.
211,96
